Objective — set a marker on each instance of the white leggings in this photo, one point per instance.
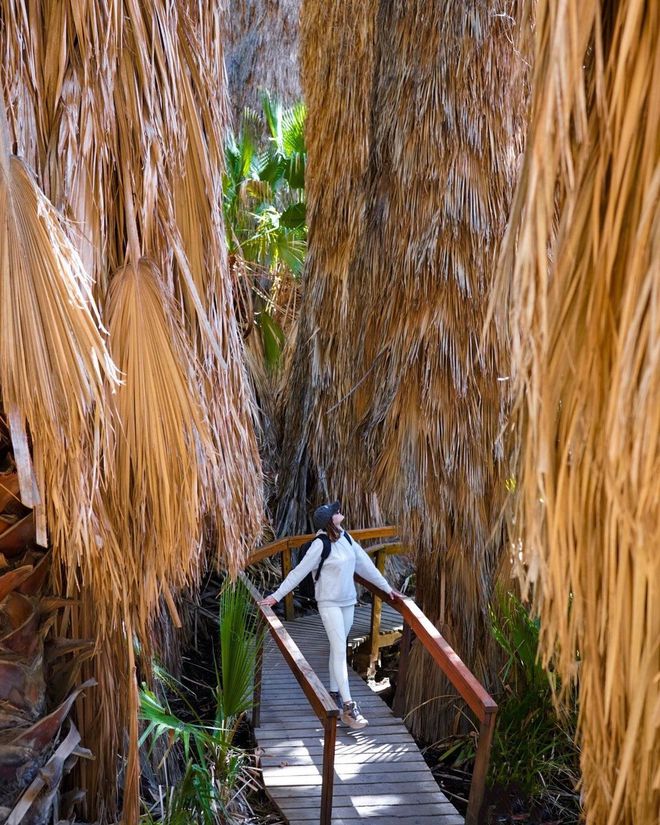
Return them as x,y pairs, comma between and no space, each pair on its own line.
337,622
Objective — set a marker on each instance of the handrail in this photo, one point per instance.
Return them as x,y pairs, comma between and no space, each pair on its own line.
418,624
317,694
291,542
390,548
473,692
477,697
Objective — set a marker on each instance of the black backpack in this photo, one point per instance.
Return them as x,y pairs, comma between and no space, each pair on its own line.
327,547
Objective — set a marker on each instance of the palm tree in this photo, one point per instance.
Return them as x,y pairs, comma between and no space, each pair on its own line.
396,404
265,215
118,129
584,321
262,53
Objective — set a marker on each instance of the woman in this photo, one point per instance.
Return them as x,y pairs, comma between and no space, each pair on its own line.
336,597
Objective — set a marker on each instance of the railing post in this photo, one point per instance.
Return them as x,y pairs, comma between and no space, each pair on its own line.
404,657
478,784
376,612
329,741
286,569
258,672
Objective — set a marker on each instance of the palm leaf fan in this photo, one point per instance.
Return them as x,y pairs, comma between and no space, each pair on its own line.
53,359
163,452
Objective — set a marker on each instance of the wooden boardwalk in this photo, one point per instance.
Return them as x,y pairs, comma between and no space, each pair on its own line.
380,774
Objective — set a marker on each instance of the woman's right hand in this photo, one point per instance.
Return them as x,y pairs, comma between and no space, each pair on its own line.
269,601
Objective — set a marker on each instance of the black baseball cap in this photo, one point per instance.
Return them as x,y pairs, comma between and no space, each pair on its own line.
324,513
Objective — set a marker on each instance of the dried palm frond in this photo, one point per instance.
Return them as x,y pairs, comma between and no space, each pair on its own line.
580,276
335,38
163,455
128,97
395,406
53,361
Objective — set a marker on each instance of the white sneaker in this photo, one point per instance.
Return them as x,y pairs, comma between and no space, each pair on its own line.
352,717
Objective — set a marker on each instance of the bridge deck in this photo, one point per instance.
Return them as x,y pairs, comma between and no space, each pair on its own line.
380,775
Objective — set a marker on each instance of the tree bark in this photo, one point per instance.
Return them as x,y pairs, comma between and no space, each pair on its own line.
262,52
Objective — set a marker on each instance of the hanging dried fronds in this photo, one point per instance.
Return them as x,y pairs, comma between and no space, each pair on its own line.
335,38
53,362
119,101
395,406
580,274
125,104
163,455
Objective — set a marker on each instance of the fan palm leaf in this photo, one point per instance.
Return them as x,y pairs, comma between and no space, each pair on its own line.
163,455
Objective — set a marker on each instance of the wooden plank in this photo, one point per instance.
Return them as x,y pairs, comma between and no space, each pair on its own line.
365,789
446,819
376,808
374,730
273,756
449,819
316,759
410,760
298,703
378,797
347,770
294,714
273,739
289,779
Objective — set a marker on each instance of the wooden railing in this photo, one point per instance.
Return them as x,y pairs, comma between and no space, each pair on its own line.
317,695
415,625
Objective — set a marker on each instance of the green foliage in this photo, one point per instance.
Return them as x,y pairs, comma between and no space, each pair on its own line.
533,746
238,633
517,633
264,206
214,766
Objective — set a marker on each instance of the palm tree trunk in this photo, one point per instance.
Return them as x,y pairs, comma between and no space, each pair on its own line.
401,410
262,53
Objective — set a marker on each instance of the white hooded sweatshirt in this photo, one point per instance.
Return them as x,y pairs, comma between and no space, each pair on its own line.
335,585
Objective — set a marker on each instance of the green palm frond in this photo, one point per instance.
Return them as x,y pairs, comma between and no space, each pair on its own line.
238,637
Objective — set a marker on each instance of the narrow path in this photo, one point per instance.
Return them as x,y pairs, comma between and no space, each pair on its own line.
380,775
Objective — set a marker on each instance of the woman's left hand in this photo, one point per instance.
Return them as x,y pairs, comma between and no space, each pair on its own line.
395,596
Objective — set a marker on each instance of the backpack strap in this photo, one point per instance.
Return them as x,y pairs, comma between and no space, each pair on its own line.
348,536
327,547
